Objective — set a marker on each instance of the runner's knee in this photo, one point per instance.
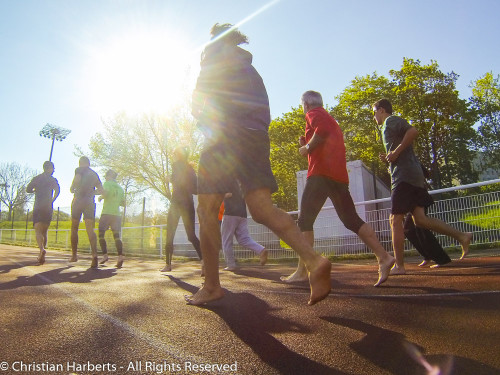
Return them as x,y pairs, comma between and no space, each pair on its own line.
353,223
101,234
305,223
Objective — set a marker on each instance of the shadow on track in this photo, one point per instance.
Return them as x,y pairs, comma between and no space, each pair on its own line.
58,276
385,349
6,268
251,321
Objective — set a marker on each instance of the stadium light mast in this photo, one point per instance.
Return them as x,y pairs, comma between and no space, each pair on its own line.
54,132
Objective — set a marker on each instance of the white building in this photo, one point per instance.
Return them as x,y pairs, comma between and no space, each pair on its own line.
361,186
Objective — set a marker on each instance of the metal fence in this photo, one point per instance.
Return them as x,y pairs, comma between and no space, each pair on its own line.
477,213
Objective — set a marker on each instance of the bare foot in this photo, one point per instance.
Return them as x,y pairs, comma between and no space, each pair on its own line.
105,258
465,244
395,270
203,296
424,262
319,281
297,276
384,268
435,266
41,258
167,268
263,257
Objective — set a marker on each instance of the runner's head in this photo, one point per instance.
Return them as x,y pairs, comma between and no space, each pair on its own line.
48,167
227,33
181,153
310,100
111,175
84,162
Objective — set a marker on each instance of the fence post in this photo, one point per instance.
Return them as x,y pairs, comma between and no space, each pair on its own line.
57,223
26,230
142,229
161,241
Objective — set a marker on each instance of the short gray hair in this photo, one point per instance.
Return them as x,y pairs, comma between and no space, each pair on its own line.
312,99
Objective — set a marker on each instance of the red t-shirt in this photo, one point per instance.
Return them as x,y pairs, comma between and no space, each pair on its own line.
328,158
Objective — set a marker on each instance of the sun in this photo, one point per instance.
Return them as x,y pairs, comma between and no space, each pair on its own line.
139,72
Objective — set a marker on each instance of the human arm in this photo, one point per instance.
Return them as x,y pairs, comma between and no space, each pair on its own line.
311,145
104,194
31,186
57,190
99,190
410,135
76,182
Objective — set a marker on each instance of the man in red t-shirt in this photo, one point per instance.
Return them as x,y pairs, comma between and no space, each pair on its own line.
327,177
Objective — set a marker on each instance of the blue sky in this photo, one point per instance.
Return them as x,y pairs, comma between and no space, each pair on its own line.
71,63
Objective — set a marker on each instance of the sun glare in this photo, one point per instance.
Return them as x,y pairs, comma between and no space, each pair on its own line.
139,72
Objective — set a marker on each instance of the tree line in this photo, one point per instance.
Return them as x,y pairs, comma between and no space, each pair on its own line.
452,131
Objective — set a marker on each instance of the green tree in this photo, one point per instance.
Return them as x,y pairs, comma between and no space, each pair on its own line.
428,98
139,148
284,133
355,117
486,101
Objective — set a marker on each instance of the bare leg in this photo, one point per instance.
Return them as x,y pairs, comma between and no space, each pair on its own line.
422,220
74,239
89,226
300,273
208,208
261,207
398,239
385,260
41,238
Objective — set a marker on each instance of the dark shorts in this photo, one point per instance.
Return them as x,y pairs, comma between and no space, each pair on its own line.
241,155
42,215
317,189
83,207
110,221
406,197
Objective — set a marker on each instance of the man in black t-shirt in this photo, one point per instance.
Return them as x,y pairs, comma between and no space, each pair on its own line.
86,184
184,183
46,189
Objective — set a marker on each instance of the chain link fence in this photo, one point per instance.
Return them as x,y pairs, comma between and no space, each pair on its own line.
478,213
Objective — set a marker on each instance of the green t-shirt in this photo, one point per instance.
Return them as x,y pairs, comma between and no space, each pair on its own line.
406,168
113,198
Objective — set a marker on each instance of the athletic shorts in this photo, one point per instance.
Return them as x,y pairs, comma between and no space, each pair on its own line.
83,207
110,221
406,197
317,189
242,155
42,215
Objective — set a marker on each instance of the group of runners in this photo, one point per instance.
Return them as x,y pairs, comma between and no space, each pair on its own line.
231,105
85,186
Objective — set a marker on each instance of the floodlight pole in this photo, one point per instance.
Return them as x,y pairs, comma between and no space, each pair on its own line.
52,147
54,132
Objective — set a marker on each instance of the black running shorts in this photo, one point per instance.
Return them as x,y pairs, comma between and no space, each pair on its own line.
406,197
241,155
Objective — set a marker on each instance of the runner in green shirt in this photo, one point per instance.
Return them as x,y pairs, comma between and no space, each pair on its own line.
114,197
